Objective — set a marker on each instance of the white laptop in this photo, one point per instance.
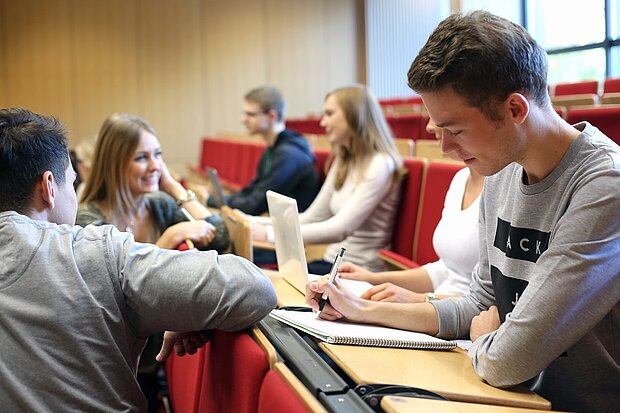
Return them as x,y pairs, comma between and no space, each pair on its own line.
290,252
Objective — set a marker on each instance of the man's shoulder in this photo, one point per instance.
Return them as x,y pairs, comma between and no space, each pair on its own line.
289,140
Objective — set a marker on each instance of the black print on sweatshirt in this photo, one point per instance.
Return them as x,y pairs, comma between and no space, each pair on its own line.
507,292
520,243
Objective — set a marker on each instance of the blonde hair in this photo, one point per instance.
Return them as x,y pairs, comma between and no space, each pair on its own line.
116,143
370,133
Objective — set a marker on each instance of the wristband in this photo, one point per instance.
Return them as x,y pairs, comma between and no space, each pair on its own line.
428,297
187,196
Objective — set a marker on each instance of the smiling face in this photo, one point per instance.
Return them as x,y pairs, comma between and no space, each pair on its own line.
335,123
145,166
485,145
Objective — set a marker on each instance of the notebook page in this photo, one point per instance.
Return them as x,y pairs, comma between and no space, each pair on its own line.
330,331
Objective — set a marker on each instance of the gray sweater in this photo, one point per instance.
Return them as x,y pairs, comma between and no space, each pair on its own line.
77,304
553,248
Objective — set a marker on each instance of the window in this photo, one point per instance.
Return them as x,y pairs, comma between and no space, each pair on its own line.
581,38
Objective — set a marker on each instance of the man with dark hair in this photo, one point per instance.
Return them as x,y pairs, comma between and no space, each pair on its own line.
544,302
287,165
77,304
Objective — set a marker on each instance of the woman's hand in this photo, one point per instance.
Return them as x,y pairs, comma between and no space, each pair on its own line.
351,271
342,304
199,231
392,293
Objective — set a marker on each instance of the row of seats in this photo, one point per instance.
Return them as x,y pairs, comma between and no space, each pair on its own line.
236,372
611,85
605,117
407,125
236,161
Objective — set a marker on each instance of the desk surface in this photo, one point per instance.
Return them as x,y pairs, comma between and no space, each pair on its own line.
394,404
449,373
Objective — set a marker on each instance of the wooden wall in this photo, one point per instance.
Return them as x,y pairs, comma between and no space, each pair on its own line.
184,65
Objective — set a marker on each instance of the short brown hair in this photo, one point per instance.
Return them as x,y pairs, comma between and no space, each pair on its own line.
268,98
484,58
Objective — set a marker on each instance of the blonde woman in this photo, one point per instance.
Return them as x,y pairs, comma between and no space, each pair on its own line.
357,203
131,188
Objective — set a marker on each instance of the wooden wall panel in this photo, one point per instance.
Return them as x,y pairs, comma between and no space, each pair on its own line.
36,57
296,57
184,66
4,101
105,64
170,75
234,47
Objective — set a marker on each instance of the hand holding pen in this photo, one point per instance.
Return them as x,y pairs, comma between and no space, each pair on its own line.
332,276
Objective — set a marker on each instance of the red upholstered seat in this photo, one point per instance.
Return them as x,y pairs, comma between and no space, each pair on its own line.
234,369
184,376
606,118
406,126
577,88
277,397
405,224
434,188
311,125
323,162
611,85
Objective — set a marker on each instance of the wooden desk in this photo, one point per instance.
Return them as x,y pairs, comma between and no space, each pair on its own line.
448,373
287,294
394,404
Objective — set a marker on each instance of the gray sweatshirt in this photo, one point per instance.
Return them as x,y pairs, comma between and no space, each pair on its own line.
550,261
77,304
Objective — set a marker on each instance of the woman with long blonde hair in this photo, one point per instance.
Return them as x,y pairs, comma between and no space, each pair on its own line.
357,203
131,188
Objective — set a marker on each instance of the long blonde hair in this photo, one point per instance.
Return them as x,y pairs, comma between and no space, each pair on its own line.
370,133
107,185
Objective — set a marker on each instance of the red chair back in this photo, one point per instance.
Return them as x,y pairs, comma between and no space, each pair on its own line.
435,184
406,126
405,224
606,118
324,159
277,397
310,125
577,88
611,85
234,369
184,376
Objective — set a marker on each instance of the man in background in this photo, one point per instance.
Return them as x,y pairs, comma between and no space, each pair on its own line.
287,165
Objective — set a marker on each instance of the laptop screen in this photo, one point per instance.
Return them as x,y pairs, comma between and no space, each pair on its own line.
216,187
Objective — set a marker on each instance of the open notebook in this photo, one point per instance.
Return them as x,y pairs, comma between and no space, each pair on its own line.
340,332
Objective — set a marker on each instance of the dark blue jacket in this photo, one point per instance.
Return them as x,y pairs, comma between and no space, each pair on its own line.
287,167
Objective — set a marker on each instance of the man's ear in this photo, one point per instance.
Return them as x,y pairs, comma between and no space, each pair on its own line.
48,190
519,107
273,116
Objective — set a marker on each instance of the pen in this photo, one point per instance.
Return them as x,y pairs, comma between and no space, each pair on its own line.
332,276
189,242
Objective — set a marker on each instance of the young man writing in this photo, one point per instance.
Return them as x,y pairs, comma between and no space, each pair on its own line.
544,298
77,304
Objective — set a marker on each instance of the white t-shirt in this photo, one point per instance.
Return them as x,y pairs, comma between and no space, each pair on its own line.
455,240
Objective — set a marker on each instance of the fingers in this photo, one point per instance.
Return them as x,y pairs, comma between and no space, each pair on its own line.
166,347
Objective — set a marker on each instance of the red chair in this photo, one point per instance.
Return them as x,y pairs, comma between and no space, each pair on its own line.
184,376
577,88
611,85
405,126
311,125
234,369
435,184
324,160
405,223
606,118
276,396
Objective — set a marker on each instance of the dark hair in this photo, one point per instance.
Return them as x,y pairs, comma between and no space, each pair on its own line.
268,98
484,58
30,144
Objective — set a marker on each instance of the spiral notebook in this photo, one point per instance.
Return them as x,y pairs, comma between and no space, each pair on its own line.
339,332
